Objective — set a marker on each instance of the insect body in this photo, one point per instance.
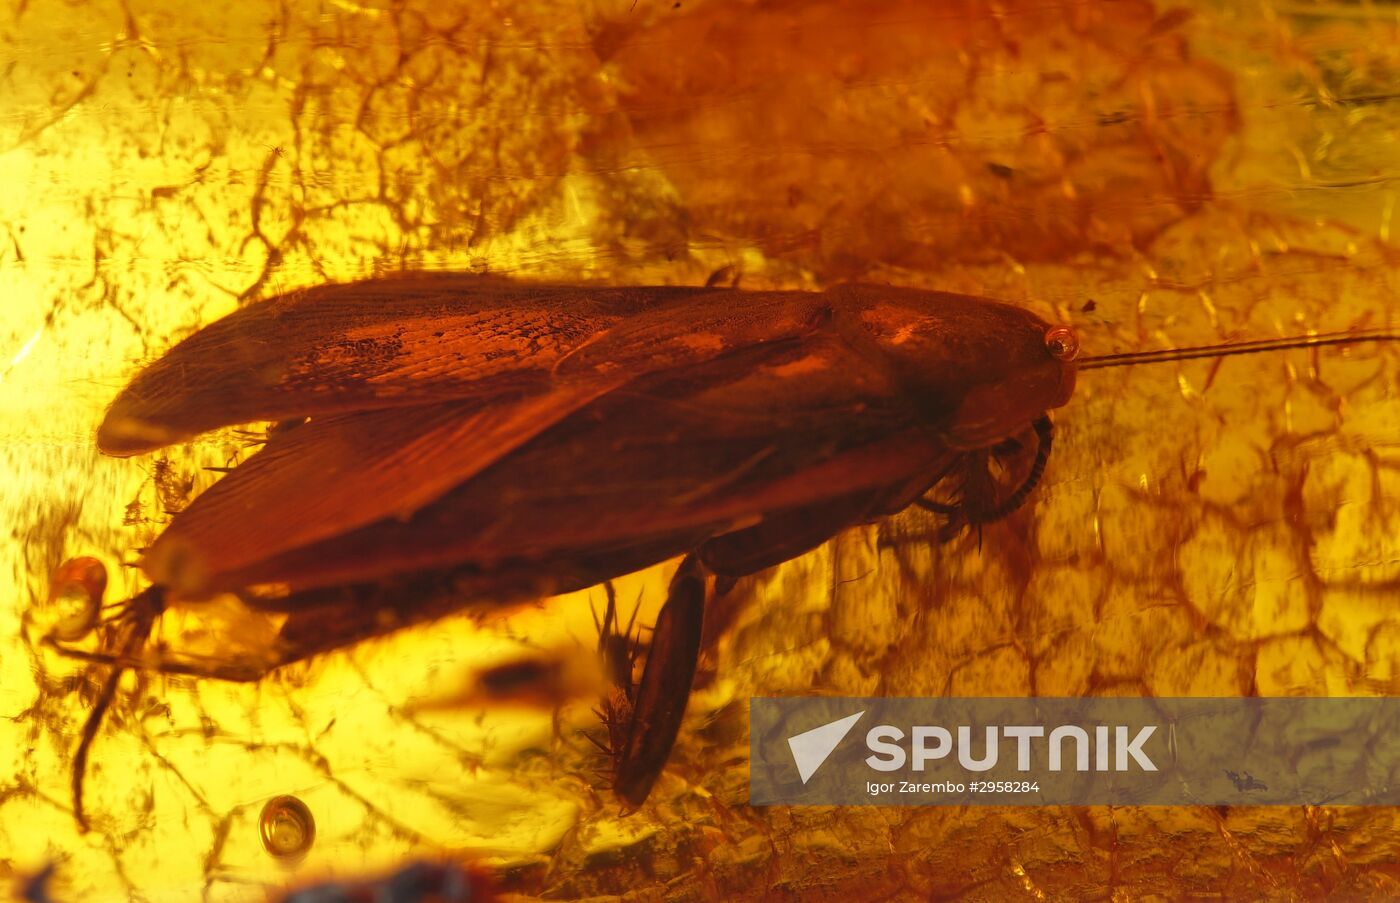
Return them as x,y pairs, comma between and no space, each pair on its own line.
463,439
457,421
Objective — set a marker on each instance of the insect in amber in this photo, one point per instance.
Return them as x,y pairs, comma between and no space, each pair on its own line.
463,439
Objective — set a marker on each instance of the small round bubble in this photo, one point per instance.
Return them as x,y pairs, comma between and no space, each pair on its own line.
75,598
1062,343
286,827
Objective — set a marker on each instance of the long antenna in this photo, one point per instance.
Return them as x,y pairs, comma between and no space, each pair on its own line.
1226,349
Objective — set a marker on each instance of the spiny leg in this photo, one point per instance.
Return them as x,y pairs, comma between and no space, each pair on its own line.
618,648
617,651
660,699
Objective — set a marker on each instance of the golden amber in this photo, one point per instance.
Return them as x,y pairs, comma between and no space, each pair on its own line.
1200,171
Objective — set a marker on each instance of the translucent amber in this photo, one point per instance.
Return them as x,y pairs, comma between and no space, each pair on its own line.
1149,174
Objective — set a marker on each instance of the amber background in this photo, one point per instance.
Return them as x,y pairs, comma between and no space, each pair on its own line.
1199,173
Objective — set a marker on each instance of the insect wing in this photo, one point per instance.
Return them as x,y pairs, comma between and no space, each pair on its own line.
410,340
660,466
335,474
331,349
716,323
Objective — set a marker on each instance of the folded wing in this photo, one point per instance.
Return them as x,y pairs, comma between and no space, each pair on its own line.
338,473
408,398
645,471
393,342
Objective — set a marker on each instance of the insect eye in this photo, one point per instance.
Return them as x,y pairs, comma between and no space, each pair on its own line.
1062,343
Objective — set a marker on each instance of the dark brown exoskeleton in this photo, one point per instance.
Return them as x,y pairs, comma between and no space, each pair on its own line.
470,439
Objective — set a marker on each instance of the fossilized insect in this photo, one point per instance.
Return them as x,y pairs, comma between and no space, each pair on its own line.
461,438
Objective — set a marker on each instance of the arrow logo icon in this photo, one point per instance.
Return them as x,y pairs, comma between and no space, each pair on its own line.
811,748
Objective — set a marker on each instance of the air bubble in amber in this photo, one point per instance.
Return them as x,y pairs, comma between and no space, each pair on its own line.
75,598
287,827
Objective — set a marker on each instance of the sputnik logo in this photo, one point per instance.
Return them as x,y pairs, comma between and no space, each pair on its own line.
811,748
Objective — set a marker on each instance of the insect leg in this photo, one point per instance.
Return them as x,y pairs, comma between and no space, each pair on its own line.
145,607
780,537
1045,433
249,672
783,536
956,518
661,696
617,647
658,704
974,510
